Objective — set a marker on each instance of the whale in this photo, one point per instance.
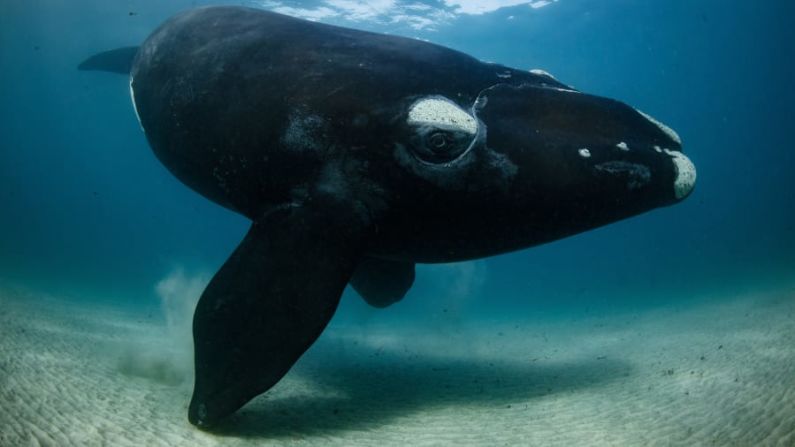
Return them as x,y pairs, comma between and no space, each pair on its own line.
357,155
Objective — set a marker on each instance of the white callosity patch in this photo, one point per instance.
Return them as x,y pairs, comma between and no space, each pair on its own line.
584,153
685,174
623,146
657,148
546,74
135,107
666,130
540,72
442,113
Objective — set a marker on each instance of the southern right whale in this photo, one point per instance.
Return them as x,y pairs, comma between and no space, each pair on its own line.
357,155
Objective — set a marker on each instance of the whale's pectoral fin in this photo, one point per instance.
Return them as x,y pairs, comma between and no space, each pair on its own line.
266,305
119,61
382,282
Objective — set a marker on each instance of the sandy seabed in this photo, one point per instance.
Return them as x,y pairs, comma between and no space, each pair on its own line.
720,373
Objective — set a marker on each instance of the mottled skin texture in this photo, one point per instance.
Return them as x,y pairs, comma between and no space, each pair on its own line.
302,127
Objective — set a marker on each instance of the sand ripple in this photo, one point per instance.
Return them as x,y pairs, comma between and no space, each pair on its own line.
713,374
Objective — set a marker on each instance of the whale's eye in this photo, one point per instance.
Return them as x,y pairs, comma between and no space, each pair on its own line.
440,145
441,130
437,141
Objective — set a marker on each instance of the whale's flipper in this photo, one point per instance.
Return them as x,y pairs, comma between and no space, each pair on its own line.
117,61
266,305
382,282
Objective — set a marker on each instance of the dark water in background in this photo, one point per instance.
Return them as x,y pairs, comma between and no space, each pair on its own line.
86,210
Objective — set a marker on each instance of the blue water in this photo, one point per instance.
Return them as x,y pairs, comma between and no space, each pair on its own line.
86,210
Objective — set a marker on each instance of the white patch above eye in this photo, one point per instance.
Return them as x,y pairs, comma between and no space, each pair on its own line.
584,153
623,146
135,108
440,112
685,174
666,130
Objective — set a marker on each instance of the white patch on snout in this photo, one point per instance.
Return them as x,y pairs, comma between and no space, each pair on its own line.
685,174
135,108
584,153
623,146
666,130
441,112
540,72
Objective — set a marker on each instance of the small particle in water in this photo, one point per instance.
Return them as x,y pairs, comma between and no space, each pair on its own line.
601,357
703,358
132,13
720,347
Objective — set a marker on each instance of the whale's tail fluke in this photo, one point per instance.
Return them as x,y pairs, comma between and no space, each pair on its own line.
119,61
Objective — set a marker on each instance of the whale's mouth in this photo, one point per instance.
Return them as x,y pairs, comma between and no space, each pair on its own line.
635,166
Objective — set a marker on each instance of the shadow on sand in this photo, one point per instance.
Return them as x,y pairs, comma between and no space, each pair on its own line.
365,389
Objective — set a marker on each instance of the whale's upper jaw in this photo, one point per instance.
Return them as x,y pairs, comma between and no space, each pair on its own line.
565,142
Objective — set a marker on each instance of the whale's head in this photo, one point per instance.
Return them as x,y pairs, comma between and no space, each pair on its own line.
532,162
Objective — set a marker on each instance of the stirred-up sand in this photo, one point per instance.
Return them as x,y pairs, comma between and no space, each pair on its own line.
717,373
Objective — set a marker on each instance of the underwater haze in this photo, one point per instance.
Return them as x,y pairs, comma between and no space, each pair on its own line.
674,327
